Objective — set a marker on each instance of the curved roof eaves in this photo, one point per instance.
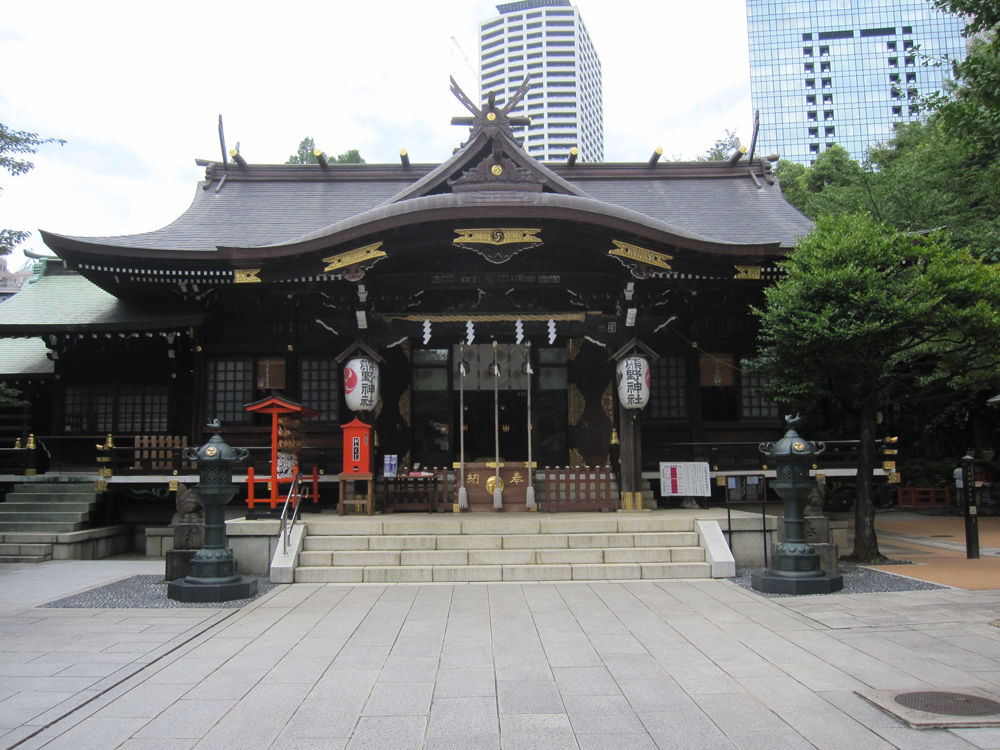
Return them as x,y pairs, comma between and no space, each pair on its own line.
539,204
250,214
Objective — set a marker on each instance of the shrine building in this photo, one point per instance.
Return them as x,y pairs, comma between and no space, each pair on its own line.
540,277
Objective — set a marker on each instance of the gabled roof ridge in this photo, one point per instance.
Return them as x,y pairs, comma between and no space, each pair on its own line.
462,160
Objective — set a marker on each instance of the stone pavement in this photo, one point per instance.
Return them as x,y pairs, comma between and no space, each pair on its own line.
668,664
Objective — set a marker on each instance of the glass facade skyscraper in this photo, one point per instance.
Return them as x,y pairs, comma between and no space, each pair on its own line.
546,38
843,71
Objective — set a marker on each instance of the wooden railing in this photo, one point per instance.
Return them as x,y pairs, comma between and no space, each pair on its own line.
585,488
405,493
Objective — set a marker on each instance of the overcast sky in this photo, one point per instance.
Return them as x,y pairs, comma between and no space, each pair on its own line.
136,91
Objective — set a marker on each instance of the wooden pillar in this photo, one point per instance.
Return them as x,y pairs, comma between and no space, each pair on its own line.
631,458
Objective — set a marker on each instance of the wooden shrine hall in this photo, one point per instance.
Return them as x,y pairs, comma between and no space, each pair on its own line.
498,295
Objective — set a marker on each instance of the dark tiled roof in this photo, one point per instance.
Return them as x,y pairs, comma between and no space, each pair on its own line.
727,210
64,301
248,214
24,357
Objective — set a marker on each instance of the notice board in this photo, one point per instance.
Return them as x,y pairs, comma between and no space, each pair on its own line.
746,489
690,479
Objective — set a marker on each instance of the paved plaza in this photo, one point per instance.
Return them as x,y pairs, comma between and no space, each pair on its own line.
674,664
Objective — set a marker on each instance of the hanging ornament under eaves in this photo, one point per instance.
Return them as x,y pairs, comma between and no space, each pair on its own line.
633,382
361,384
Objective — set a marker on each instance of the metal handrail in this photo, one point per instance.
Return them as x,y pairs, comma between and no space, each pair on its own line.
286,527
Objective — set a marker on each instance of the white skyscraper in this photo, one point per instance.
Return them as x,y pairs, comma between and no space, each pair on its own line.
546,39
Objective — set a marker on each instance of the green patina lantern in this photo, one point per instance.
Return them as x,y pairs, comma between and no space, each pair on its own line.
212,573
795,567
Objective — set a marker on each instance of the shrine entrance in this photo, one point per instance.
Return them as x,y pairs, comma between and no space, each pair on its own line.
480,427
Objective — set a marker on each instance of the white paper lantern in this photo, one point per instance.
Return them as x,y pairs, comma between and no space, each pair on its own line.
361,384
633,382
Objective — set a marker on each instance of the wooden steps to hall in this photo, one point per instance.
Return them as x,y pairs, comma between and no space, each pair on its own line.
530,547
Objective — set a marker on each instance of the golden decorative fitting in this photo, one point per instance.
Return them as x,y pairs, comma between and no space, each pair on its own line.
211,450
404,406
764,466
173,376
17,444
577,404
640,254
246,276
895,478
614,437
495,236
497,170
100,486
175,472
815,466
747,273
608,403
493,465
31,442
106,473
821,478
30,472
573,347
576,459
491,116
197,348
103,459
402,152
628,502
322,472
715,468
493,483
798,446
376,439
173,486
368,252
720,481
889,466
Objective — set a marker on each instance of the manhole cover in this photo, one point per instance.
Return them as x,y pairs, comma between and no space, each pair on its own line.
949,704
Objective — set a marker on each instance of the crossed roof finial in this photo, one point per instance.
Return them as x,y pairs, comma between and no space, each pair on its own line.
489,117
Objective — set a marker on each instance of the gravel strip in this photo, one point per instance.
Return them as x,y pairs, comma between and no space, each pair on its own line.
145,592
858,579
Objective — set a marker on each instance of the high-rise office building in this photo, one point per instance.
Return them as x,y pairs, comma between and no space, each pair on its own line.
546,38
843,71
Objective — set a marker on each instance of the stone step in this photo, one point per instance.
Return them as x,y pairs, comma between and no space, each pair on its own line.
41,527
25,558
56,488
48,516
461,573
53,497
497,524
31,507
366,558
25,549
498,541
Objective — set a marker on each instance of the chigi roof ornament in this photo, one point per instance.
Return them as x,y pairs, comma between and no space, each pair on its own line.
489,119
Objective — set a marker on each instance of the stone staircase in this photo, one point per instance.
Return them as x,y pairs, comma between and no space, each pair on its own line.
483,547
36,515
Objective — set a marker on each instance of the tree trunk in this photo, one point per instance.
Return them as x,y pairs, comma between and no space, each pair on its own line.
865,543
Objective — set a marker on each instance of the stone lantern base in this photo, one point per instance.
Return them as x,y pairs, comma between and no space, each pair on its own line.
184,590
771,583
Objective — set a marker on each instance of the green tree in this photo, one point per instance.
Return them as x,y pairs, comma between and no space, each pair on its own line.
306,154
13,145
873,316
723,148
10,395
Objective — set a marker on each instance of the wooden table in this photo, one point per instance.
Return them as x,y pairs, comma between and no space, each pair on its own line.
368,501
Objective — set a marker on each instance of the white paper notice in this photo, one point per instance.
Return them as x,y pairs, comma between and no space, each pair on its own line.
690,479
